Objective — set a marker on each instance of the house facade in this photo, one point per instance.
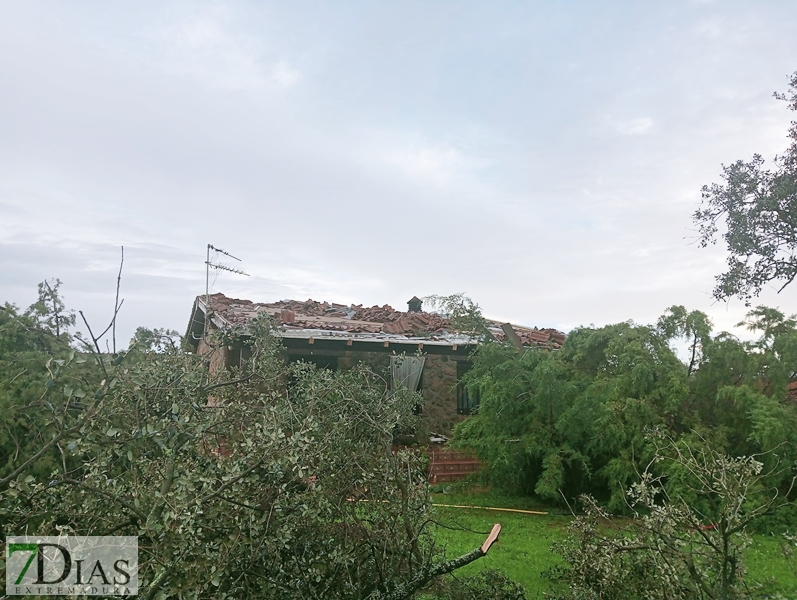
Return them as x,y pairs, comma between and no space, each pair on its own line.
417,349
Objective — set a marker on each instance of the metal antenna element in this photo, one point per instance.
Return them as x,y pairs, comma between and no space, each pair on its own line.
217,267
221,267
212,247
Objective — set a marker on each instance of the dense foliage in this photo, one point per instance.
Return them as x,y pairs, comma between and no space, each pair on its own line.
562,423
34,344
273,480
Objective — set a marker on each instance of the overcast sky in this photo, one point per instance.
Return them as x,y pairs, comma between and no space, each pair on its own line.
543,157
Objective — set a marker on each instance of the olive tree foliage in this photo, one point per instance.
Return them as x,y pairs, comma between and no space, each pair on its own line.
758,207
673,548
558,424
263,482
33,344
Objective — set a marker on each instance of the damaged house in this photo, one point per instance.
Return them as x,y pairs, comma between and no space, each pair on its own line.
418,349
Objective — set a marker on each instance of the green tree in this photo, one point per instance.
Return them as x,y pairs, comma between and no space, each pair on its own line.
34,346
694,327
572,421
50,313
157,340
759,210
463,313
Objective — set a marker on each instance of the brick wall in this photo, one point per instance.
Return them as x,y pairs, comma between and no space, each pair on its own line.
218,356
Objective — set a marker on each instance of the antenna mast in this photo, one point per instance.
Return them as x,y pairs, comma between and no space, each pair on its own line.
218,267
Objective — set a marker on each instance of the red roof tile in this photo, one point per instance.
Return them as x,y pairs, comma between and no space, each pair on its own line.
310,314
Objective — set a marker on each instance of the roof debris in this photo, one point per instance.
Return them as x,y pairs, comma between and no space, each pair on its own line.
356,321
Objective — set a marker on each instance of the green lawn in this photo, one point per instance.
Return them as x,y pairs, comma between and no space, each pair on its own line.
523,550
768,566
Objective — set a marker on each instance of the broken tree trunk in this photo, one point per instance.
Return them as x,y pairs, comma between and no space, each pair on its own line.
406,590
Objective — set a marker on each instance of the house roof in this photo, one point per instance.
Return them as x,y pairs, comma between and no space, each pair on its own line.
325,320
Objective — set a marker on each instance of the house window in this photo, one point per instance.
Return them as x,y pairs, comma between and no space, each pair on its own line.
406,372
239,357
467,401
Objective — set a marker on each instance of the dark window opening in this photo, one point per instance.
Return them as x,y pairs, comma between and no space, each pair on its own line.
418,408
240,357
467,401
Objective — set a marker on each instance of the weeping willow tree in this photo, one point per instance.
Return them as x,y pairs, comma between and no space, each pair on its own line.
562,423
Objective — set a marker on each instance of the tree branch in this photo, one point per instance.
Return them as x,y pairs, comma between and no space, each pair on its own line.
39,454
98,355
406,590
131,507
116,305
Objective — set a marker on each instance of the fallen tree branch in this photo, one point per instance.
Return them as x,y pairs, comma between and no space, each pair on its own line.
406,590
131,507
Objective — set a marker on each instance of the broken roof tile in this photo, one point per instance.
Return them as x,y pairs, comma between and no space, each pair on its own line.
295,315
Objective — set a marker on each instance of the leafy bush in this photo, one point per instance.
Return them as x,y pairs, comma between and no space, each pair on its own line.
670,549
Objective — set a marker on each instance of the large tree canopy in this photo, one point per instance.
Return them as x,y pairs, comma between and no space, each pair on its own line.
573,421
759,210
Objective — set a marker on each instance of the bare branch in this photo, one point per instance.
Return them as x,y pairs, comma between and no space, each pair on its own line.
98,355
116,304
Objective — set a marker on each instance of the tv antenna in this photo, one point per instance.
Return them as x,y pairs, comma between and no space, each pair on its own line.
217,266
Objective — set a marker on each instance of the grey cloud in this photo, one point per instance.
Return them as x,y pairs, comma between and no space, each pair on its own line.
543,158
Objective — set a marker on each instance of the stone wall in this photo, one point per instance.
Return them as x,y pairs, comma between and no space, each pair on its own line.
440,394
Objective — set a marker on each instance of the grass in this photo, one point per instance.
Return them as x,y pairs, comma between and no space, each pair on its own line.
523,550
768,567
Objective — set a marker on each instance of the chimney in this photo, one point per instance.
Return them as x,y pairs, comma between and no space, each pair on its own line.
415,304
